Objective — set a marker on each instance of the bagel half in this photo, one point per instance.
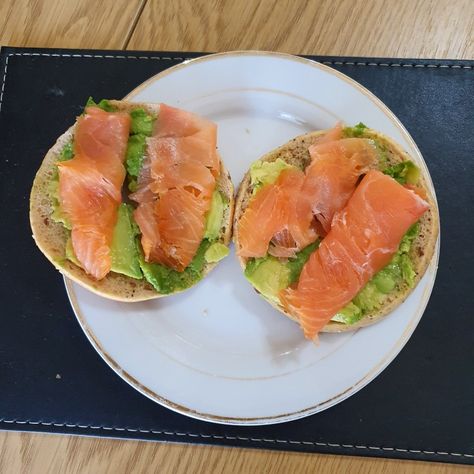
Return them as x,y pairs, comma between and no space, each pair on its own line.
296,153
51,236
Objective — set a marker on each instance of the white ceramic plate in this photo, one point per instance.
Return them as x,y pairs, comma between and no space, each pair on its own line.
218,352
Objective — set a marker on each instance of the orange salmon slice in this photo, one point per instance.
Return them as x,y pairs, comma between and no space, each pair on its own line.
362,240
175,187
90,186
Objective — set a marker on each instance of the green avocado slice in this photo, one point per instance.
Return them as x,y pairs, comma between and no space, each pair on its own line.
215,216
124,252
268,275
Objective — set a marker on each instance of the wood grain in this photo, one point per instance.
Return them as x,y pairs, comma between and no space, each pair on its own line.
422,28
48,453
69,23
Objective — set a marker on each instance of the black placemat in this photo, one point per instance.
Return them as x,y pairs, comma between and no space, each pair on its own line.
420,407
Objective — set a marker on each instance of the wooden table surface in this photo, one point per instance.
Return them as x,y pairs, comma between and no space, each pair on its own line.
403,28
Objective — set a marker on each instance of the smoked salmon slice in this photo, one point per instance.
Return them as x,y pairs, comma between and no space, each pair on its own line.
362,240
201,134
276,216
332,176
288,215
173,165
259,223
175,187
335,133
181,225
147,221
171,226
295,230
90,186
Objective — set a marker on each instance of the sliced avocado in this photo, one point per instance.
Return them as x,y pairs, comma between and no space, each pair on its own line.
368,298
135,154
165,280
350,314
386,280
268,275
264,172
215,216
295,265
216,252
405,172
123,252
141,128
198,262
142,122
